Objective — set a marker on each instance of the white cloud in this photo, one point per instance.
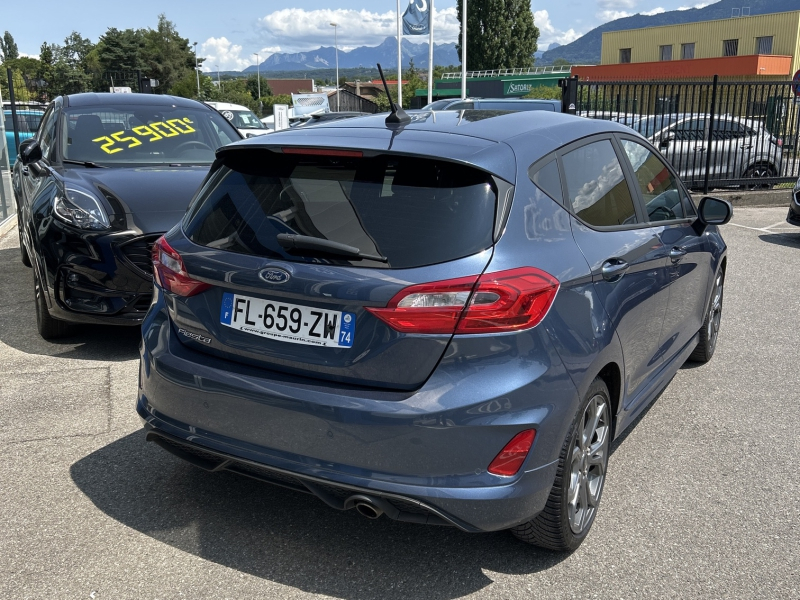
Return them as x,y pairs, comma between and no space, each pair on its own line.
549,34
656,11
617,4
220,51
297,29
611,15
700,5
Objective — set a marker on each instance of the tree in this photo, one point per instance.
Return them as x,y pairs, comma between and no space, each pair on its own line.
72,71
252,86
168,57
500,34
561,62
8,47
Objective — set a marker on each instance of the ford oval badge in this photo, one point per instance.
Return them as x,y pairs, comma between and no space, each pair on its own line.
274,275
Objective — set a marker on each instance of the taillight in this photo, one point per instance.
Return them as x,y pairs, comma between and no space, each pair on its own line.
170,272
511,457
491,303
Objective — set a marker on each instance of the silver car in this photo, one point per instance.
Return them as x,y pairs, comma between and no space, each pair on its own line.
739,148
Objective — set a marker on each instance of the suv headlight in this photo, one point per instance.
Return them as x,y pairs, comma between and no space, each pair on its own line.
81,210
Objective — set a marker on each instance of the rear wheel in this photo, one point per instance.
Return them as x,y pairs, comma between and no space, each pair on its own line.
710,330
759,172
575,496
48,327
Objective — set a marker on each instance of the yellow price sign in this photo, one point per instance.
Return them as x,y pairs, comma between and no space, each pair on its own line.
151,133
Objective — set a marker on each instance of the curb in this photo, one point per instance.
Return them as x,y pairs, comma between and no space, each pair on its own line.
8,225
755,198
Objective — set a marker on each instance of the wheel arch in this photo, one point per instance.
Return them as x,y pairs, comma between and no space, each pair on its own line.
611,374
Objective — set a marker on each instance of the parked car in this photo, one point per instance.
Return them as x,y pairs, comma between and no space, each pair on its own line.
444,321
104,176
516,104
794,206
740,148
28,121
244,119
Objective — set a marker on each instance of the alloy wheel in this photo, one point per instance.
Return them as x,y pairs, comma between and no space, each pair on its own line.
589,460
715,313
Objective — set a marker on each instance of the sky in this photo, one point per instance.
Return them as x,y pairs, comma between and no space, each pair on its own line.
228,34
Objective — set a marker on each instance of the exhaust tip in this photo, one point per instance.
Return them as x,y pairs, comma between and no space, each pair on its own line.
368,510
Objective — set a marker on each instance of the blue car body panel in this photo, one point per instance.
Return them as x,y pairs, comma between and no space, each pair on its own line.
422,416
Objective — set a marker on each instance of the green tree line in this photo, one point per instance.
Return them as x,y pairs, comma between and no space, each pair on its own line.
80,65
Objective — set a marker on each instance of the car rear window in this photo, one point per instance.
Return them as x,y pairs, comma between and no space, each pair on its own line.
413,211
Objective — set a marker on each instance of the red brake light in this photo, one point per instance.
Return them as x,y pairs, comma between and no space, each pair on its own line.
511,457
323,152
492,303
170,272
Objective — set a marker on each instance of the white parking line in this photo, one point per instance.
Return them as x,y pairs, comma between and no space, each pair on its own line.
762,229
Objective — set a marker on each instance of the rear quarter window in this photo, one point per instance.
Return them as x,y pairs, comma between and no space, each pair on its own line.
413,211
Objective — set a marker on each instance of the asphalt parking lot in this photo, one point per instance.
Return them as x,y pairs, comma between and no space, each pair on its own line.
702,498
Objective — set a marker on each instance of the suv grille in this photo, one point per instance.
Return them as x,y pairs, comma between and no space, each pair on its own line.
137,252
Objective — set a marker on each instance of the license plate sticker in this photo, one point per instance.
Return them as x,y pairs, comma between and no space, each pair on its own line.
286,322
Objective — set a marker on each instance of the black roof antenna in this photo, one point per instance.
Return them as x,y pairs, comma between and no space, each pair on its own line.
398,116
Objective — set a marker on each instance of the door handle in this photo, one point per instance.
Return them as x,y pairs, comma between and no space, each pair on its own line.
700,148
746,147
676,254
26,171
613,269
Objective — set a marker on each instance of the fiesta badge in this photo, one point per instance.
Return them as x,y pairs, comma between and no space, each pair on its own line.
274,275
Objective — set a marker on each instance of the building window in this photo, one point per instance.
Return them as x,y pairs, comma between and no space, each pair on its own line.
764,45
625,55
730,48
687,51
666,52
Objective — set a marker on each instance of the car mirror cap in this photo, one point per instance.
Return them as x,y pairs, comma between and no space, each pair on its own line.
715,211
30,151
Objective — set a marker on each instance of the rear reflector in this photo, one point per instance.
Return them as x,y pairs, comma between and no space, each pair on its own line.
510,459
170,272
323,152
491,303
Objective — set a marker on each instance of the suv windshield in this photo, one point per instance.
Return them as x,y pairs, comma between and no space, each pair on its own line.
242,119
413,211
143,134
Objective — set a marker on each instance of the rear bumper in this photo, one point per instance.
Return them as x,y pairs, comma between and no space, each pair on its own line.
428,448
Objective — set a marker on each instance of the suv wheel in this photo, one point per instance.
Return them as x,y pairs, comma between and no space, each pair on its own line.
48,327
575,496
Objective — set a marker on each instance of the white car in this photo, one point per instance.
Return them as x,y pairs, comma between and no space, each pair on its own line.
241,117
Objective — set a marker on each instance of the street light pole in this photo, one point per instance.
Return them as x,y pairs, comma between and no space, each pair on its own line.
219,83
336,45
196,72
464,49
258,74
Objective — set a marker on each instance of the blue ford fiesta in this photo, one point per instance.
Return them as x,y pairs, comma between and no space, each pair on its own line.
445,320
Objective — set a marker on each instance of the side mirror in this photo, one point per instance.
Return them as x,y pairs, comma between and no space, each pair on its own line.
714,211
664,143
30,151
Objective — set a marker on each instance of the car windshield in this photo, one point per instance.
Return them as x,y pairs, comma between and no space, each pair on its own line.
242,119
438,105
143,134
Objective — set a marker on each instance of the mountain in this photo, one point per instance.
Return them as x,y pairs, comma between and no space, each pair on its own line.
367,56
586,49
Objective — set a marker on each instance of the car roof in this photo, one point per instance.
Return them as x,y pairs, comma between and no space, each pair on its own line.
107,99
488,139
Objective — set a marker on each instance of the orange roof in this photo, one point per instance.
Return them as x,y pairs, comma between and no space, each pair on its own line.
728,66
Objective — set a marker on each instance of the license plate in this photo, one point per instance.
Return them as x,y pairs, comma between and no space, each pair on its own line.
286,322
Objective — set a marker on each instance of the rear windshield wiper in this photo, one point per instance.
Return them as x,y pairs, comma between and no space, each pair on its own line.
85,163
291,241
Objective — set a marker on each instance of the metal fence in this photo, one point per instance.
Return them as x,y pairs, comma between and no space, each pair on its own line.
715,133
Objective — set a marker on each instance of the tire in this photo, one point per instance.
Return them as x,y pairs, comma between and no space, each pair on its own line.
710,330
48,327
757,172
26,260
563,524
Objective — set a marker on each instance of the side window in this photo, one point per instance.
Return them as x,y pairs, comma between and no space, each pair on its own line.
661,193
548,180
47,132
598,191
691,130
